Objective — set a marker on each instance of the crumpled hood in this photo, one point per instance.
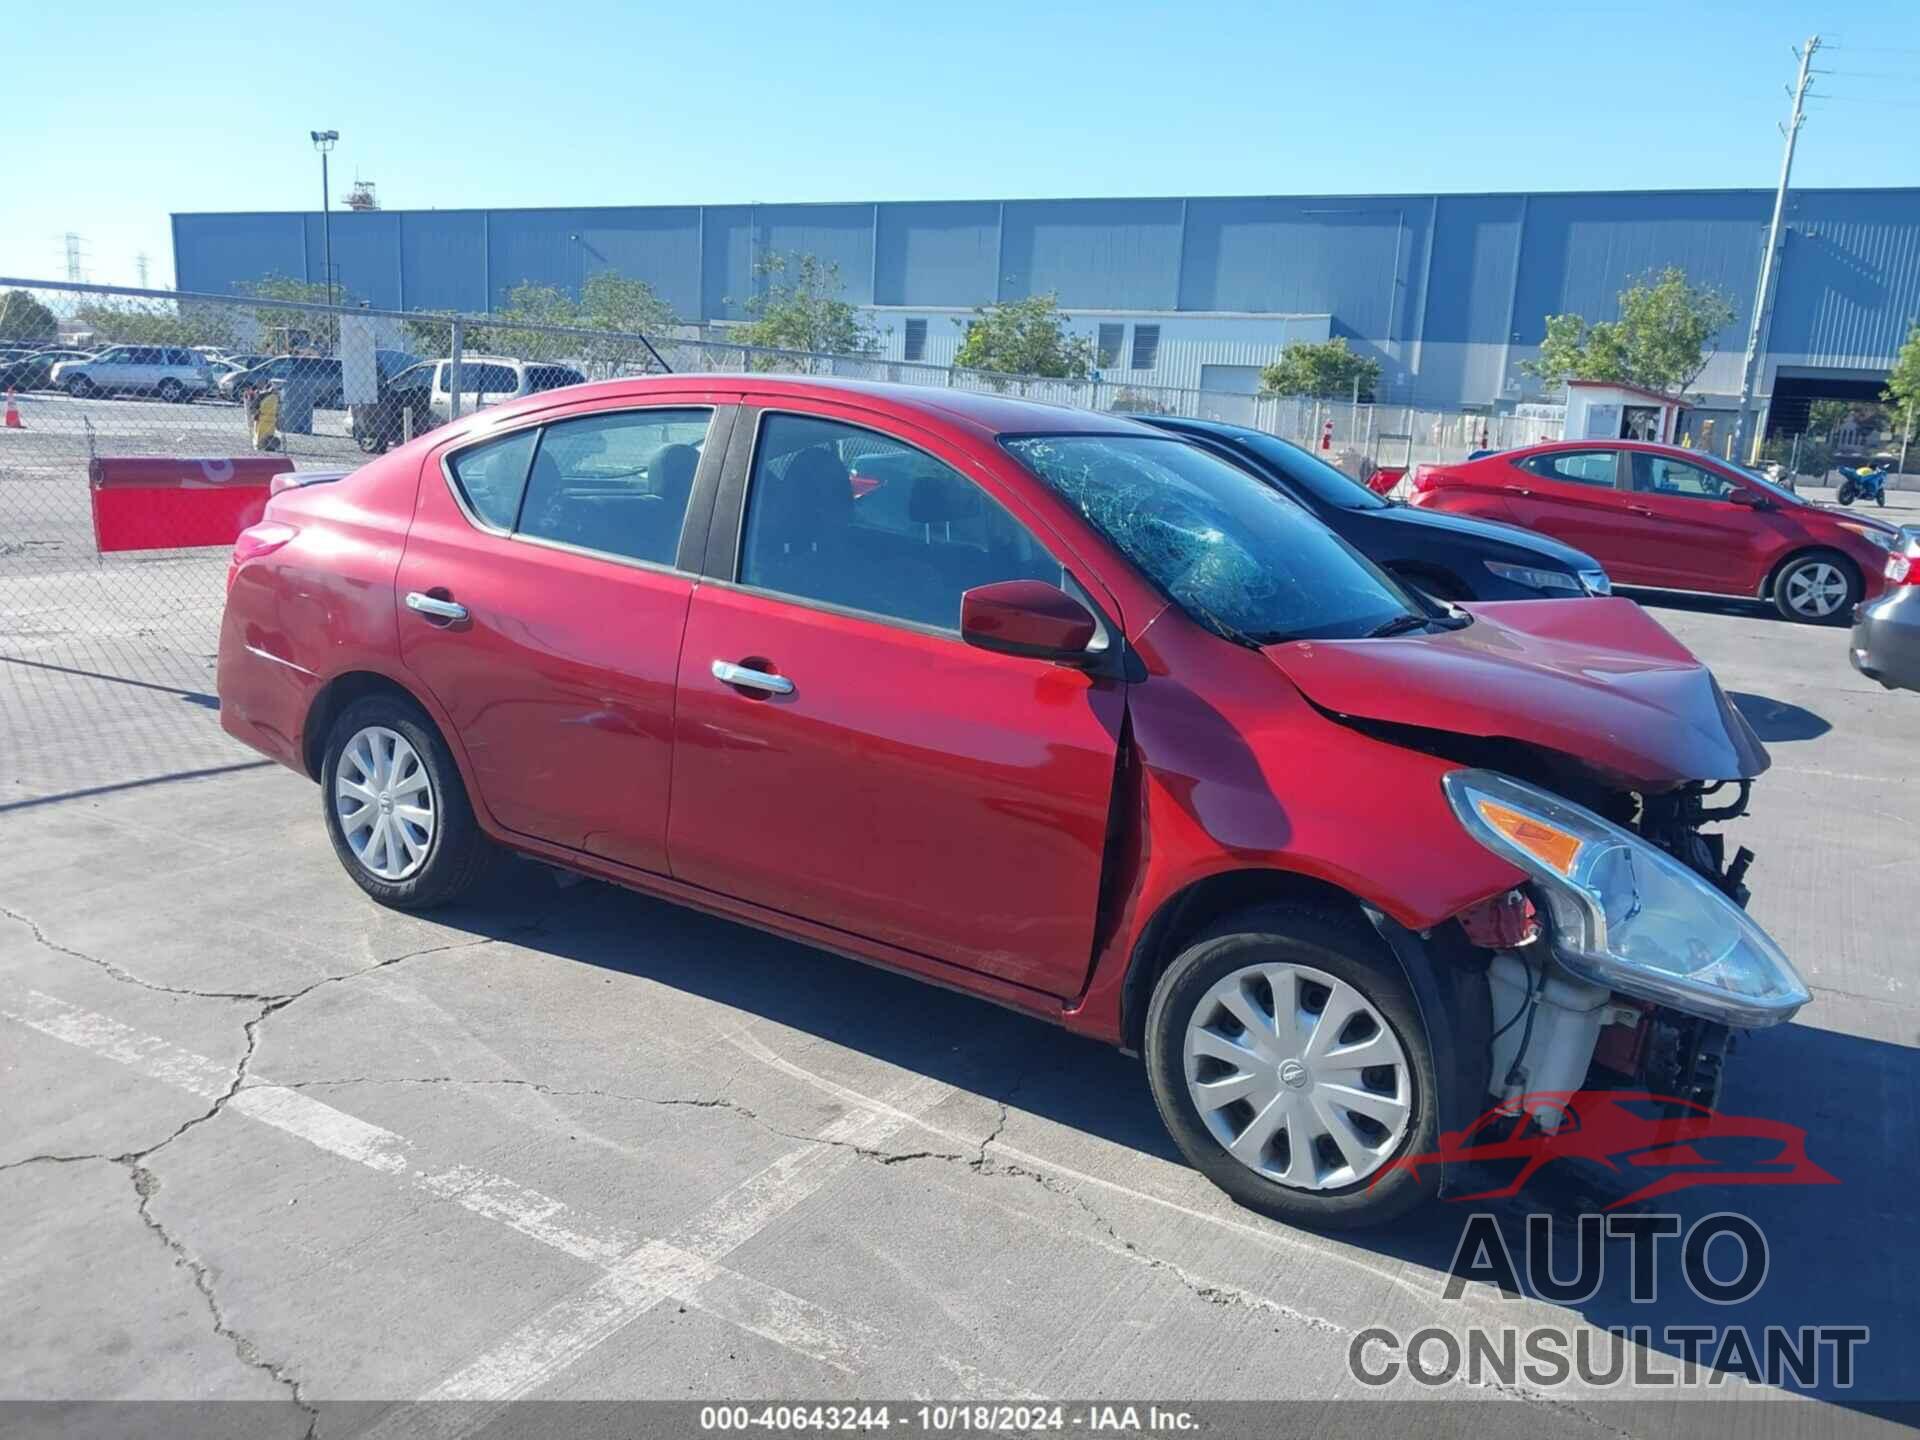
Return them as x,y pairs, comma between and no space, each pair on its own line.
1598,680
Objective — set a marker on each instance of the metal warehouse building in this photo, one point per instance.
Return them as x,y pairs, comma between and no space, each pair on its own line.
1449,292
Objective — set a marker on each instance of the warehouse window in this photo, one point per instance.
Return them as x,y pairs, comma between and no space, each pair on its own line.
1146,346
1112,337
916,340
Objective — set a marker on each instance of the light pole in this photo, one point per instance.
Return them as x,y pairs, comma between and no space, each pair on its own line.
323,141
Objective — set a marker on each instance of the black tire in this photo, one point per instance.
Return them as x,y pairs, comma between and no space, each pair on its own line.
79,387
1782,586
1846,493
1341,945
459,855
171,391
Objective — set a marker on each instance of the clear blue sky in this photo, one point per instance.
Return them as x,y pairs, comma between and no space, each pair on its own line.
598,102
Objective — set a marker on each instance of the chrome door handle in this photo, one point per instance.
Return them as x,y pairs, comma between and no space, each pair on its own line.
439,609
752,679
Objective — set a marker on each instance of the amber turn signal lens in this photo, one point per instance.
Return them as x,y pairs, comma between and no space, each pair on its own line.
1542,841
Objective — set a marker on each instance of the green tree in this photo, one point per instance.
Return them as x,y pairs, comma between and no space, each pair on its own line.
1826,416
1903,389
798,306
25,321
1024,337
1665,335
1324,370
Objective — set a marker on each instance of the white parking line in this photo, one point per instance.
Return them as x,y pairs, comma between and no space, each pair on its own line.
640,1273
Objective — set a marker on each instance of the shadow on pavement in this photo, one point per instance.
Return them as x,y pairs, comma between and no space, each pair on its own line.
1776,720
1838,1255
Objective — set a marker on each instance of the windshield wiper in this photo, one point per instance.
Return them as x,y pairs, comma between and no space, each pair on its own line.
1399,625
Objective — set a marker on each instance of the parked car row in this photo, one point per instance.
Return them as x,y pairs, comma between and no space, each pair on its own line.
1093,718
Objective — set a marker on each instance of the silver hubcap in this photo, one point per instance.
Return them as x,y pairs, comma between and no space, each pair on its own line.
1298,1076
385,803
1816,590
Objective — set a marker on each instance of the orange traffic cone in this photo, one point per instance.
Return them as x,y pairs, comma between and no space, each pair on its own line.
13,412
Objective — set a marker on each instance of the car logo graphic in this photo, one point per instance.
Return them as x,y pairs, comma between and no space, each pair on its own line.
1678,1144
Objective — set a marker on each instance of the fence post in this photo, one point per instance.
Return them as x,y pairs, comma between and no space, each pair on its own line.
453,370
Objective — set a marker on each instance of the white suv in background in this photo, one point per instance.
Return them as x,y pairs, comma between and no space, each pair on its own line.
171,372
488,379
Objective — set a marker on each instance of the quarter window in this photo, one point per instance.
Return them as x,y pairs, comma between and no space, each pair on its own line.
1575,467
491,477
616,483
851,518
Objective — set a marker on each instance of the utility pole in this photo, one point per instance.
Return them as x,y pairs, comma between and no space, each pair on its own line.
73,257
1757,333
323,141
140,268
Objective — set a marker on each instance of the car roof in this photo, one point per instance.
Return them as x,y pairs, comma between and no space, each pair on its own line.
987,412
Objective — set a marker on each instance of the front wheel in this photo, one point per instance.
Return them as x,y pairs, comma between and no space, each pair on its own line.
1289,1062
79,387
171,391
396,810
1817,588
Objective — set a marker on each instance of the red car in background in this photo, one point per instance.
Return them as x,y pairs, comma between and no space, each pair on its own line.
1675,519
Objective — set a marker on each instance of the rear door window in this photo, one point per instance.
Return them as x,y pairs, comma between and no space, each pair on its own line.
617,484
489,379
1575,467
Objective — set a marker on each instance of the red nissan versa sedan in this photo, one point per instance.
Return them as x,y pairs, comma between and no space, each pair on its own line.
1052,708
1674,519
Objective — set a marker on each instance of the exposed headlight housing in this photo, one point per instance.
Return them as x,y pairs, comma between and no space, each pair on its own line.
1626,914
1535,578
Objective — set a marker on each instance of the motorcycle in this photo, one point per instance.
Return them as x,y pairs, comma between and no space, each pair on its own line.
1866,483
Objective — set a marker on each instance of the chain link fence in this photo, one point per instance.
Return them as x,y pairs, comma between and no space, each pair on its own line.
103,373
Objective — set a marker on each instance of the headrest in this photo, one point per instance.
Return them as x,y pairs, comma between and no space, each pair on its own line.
817,484
938,497
671,470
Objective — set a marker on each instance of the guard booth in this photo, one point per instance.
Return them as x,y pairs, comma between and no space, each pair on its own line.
1608,410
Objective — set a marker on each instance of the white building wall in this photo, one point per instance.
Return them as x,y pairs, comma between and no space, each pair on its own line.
1187,342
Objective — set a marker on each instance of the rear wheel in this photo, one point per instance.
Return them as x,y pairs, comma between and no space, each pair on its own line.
395,808
171,391
1846,493
1817,588
1289,1062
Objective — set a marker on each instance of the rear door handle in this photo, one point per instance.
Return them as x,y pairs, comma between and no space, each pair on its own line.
439,609
752,679
1639,510
1518,490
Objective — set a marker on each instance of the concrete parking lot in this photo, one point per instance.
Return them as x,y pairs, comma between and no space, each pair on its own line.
268,1142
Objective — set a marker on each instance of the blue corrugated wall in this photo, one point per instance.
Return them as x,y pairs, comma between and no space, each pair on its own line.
1448,290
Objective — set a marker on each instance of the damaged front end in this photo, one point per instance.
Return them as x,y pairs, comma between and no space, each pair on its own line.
1595,750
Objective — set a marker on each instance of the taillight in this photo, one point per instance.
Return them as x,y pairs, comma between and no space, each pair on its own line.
255,541
1902,569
